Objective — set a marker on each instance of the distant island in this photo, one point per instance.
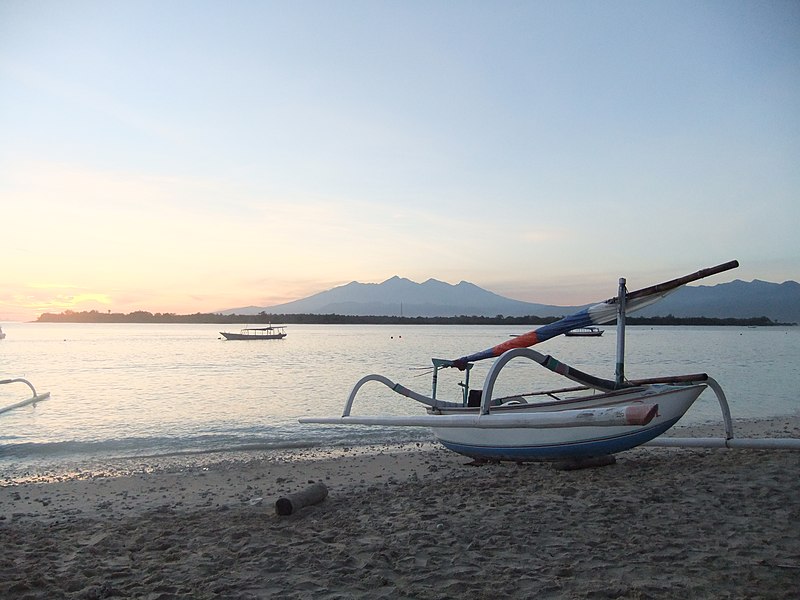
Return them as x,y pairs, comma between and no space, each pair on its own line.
139,316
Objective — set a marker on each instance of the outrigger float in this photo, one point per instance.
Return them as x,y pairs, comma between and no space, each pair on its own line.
32,400
596,418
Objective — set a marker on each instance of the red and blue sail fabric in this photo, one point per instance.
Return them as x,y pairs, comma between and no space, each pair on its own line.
597,314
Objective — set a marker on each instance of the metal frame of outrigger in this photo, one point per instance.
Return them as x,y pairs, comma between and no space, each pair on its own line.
32,400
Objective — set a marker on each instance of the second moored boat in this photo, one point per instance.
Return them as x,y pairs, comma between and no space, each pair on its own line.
584,332
276,332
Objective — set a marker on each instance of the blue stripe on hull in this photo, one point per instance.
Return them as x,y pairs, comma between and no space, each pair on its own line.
556,451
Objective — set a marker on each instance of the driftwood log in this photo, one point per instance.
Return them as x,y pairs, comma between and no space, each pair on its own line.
313,494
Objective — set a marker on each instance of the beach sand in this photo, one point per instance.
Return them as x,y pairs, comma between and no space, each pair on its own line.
417,522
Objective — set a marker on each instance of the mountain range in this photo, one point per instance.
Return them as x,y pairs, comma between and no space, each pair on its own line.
402,297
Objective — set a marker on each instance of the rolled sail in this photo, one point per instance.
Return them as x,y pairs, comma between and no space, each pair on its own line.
597,314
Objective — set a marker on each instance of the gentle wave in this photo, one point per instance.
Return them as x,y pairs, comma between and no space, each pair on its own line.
153,447
28,461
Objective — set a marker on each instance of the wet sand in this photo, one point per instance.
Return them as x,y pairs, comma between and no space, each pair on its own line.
418,522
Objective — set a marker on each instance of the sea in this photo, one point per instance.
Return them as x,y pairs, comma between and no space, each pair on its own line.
140,397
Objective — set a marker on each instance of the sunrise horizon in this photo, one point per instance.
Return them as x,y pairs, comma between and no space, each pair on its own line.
190,156
92,302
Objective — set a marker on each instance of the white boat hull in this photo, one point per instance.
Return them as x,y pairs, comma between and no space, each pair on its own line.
245,336
523,444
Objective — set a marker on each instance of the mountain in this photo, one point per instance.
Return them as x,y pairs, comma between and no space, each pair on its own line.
400,296
737,300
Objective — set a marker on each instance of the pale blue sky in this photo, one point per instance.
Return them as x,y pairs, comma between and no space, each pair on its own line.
191,156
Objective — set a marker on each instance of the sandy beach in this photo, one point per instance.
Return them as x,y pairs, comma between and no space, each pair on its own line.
417,521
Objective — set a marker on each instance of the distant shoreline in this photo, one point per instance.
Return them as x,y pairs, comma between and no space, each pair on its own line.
94,316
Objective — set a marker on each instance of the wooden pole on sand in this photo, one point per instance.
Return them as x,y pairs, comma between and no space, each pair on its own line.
313,494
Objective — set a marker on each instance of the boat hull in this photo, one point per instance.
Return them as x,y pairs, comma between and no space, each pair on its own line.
584,333
527,444
243,336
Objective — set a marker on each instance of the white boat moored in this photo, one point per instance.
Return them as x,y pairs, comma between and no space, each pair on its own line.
271,332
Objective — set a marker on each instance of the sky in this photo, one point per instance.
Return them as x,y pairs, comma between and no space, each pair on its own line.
192,156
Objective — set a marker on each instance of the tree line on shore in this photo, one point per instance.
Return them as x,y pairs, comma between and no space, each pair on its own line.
140,316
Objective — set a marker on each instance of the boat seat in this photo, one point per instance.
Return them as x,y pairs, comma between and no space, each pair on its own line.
513,401
475,396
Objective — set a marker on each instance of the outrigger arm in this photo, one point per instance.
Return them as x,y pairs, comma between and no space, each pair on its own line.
32,400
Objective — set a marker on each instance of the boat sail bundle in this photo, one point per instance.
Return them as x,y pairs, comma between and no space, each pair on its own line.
597,314
597,417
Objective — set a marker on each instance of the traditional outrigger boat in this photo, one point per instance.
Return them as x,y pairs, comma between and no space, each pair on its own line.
32,400
597,417
272,332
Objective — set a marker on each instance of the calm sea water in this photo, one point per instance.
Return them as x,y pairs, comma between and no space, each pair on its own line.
146,392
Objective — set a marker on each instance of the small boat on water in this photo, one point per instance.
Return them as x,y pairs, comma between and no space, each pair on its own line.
32,400
597,417
584,332
2,334
271,332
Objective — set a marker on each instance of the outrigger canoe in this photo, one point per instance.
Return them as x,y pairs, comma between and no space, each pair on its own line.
596,417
